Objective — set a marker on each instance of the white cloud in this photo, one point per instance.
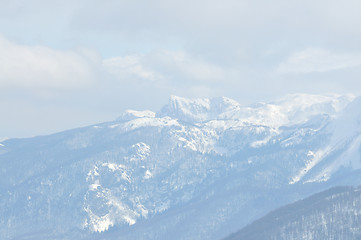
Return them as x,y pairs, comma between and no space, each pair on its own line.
127,66
188,66
164,66
317,60
40,66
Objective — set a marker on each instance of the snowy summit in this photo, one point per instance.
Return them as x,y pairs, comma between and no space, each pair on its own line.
196,169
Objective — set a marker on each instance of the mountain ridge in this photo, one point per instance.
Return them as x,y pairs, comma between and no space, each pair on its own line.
331,214
211,158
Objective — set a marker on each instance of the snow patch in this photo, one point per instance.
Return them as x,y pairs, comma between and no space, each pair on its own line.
315,159
138,152
149,122
94,186
97,223
262,142
349,158
114,125
147,175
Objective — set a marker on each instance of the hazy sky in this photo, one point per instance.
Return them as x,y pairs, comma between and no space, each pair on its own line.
66,64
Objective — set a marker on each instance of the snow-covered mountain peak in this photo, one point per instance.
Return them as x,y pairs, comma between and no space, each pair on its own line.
187,171
343,136
200,109
133,114
295,109
290,110
296,105
301,107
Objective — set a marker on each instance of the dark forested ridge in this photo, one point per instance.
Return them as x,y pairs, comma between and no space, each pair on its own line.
331,214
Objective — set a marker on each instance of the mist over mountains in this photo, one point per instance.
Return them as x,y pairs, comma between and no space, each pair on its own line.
197,169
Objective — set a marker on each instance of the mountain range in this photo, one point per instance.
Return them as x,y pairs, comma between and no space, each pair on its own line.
196,169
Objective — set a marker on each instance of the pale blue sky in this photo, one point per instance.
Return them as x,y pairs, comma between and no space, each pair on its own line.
66,64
